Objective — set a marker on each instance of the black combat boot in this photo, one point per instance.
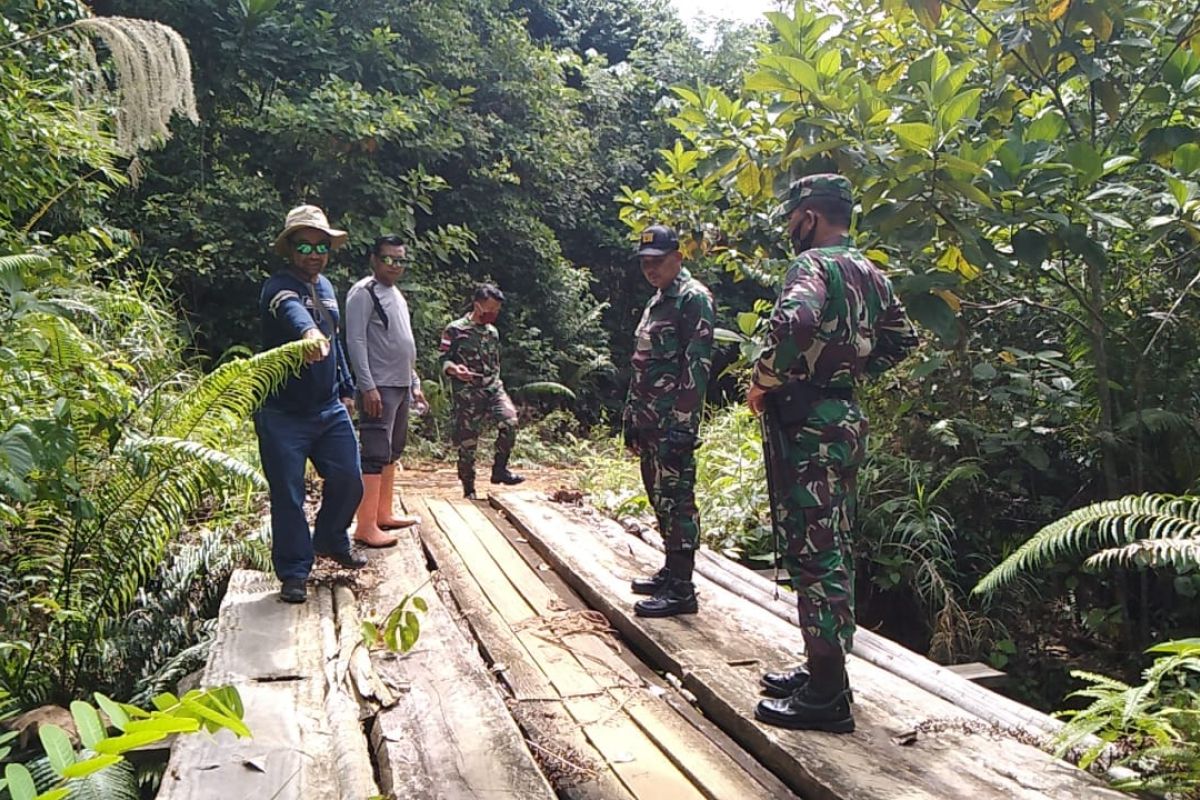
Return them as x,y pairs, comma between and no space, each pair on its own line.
677,595
821,704
500,473
651,584
468,485
784,684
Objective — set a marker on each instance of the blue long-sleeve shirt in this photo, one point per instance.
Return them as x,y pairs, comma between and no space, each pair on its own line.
288,310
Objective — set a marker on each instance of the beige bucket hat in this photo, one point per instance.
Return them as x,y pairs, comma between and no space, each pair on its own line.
307,217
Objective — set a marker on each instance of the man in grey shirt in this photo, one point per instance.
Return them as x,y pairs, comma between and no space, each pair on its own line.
382,352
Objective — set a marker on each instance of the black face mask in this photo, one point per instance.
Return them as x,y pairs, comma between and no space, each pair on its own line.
805,242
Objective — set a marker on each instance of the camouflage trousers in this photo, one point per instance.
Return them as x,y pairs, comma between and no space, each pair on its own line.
472,407
669,475
812,473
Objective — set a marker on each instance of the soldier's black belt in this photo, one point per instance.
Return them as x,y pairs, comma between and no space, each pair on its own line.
792,404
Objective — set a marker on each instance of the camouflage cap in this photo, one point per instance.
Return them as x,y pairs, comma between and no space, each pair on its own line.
826,184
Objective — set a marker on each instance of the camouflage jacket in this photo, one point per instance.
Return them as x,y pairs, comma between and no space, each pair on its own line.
672,357
475,346
836,320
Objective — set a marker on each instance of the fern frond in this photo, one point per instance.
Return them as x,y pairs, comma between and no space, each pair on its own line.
1112,522
220,465
17,263
1152,553
1157,421
232,392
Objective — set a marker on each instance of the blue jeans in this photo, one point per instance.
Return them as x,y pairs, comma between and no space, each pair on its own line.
286,441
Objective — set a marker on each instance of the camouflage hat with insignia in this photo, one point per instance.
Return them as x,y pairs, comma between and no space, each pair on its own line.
825,184
657,240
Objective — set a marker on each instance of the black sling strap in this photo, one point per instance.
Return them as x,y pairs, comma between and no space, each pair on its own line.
375,301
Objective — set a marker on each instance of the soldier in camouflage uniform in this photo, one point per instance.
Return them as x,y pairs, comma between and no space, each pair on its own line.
470,350
671,360
836,321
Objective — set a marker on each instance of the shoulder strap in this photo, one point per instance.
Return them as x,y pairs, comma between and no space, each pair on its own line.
375,301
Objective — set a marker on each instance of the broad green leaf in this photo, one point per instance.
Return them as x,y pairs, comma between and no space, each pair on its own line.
1031,247
919,135
20,782
419,602
1086,161
1046,128
370,633
928,366
59,751
116,715
222,718
120,744
934,313
164,725
87,722
971,192
948,85
1187,158
829,63
747,321
81,769
164,701
1180,190
766,81
797,70
984,371
962,106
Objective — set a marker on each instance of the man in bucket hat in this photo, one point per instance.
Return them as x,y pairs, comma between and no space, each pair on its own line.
836,321
671,360
307,418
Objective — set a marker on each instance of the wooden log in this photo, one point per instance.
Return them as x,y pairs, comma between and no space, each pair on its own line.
537,706
450,735
721,665
643,769
271,652
868,645
351,760
678,702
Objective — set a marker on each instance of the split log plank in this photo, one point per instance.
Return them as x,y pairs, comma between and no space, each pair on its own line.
271,652
722,671
537,704
709,769
644,770
450,734
351,759
682,710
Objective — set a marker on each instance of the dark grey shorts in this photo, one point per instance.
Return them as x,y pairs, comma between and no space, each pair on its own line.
382,439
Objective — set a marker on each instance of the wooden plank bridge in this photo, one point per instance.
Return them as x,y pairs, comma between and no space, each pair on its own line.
532,679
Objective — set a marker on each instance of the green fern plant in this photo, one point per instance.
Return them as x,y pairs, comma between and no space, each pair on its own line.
1152,727
1147,530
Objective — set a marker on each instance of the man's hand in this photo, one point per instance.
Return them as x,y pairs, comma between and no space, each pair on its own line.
420,404
372,404
459,372
756,398
315,355
348,402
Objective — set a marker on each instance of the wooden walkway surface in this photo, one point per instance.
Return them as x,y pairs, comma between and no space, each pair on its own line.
719,654
522,686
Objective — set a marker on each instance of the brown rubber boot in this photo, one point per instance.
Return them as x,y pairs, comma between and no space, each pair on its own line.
386,519
366,528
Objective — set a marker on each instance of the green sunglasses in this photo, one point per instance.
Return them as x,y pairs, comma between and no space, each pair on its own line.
393,261
307,249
